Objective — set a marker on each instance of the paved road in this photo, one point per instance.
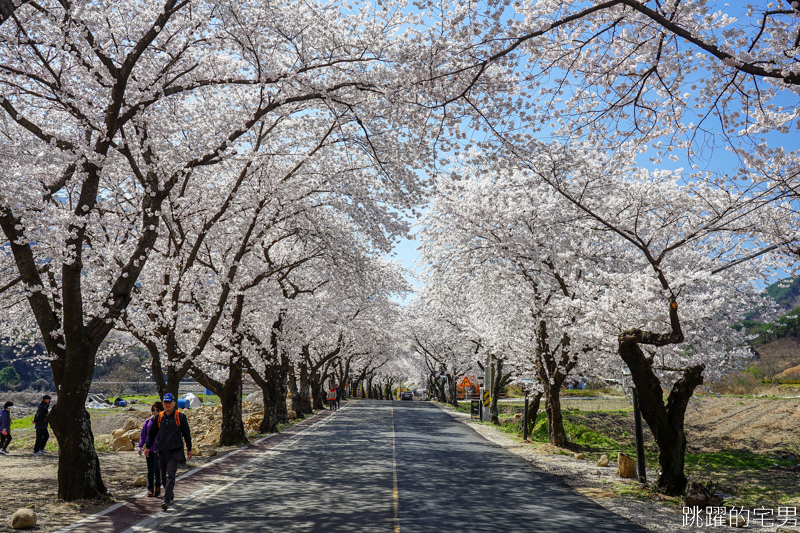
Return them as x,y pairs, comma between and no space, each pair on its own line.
389,467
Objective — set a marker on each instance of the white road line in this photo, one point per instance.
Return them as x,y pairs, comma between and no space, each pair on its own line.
395,492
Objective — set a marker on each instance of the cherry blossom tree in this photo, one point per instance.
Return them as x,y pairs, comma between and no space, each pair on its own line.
641,242
75,80
108,112
7,8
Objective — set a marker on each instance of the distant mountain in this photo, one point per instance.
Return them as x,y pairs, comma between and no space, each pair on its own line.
786,293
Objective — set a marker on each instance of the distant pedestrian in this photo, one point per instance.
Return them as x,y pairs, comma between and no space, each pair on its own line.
40,423
339,394
153,468
172,430
332,399
5,428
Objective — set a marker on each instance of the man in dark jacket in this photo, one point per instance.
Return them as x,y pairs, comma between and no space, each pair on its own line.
40,423
172,430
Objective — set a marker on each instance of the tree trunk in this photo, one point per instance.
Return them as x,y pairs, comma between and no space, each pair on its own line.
230,396
666,421
552,374
295,390
273,385
555,420
494,412
78,465
533,411
304,391
317,388
177,366
232,431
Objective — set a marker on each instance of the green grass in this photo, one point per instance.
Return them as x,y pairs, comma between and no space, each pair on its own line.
740,461
586,393
753,479
21,423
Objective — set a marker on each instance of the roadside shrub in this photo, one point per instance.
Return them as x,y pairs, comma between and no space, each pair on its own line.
40,385
26,398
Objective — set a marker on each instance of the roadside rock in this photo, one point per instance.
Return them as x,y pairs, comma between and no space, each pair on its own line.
738,521
291,415
603,461
121,444
131,423
580,456
117,432
701,495
140,481
23,519
626,466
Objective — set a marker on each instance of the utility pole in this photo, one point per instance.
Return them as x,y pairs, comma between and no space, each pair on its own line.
637,424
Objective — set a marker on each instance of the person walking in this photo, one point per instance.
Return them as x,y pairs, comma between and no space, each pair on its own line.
40,423
332,399
153,468
5,428
172,430
339,394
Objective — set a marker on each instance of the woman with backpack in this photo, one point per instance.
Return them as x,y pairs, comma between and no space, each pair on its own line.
5,428
153,468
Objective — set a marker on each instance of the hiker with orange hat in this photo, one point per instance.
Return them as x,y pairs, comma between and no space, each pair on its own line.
172,430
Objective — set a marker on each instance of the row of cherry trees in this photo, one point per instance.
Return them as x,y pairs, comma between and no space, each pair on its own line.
550,246
217,179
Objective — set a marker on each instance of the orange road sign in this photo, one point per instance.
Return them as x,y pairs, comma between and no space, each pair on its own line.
465,382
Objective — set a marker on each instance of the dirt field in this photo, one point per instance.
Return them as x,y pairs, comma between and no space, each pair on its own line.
31,481
750,446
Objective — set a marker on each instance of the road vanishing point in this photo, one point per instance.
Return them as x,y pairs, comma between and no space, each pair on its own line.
385,466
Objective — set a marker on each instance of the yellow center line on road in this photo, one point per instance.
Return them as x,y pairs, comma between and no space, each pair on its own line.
395,493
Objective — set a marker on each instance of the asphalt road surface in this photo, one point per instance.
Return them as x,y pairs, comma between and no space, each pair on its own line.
380,466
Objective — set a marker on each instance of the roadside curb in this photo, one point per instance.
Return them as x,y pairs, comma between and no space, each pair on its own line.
124,515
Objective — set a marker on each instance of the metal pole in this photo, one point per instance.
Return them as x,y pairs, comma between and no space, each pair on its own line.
637,418
525,419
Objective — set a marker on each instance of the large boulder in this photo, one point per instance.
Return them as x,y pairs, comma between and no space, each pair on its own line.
254,420
117,432
737,521
121,444
131,423
626,467
701,495
133,435
23,519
